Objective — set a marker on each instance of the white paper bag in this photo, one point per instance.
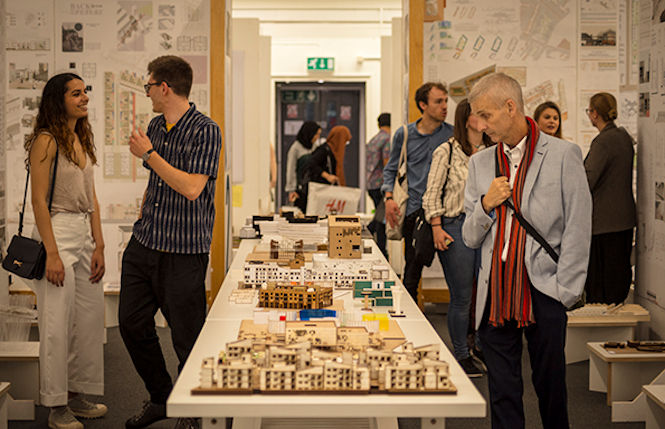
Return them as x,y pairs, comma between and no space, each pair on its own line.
326,199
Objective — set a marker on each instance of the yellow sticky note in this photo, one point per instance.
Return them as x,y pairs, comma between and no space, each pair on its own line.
236,190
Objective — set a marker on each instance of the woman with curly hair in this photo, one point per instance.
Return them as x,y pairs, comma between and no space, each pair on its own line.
70,298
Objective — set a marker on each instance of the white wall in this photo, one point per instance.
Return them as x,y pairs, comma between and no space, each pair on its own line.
650,288
250,157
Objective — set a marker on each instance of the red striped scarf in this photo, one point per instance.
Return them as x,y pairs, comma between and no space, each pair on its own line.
510,287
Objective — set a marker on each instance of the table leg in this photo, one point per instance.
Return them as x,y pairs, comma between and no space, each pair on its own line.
383,423
246,423
597,374
655,416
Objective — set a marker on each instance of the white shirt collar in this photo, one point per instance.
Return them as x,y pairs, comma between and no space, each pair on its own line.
518,149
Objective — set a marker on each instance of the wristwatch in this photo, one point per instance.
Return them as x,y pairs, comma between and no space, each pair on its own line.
146,156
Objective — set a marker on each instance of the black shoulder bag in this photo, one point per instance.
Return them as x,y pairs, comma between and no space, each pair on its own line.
27,257
423,239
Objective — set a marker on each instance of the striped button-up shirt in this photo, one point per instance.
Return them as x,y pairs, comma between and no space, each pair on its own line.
169,221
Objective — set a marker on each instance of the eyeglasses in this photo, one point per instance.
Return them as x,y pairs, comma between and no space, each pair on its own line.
148,85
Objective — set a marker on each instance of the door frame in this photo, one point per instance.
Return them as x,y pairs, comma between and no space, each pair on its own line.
276,124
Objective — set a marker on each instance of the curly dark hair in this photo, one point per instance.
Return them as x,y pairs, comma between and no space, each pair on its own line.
52,119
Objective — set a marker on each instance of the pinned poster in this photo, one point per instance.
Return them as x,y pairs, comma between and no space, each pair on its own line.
292,111
236,198
345,113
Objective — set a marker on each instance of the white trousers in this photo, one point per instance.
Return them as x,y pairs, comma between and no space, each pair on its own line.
71,317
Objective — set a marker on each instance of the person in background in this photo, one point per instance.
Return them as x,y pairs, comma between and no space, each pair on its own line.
296,160
447,217
378,153
326,164
609,170
424,135
548,117
70,297
522,290
166,260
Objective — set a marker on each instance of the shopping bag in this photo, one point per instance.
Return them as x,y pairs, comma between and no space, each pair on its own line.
325,199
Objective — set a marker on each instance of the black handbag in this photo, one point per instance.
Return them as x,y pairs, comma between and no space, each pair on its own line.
27,257
423,239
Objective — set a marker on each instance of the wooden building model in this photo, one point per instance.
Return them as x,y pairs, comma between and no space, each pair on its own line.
344,237
276,295
321,357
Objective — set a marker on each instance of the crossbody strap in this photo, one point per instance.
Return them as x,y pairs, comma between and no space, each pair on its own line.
445,182
402,154
25,191
527,226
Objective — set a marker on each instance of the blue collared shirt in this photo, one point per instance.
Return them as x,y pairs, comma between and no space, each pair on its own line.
169,221
419,148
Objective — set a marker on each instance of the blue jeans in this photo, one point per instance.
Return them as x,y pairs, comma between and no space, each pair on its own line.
458,264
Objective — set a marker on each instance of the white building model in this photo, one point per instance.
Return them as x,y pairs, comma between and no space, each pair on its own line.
323,362
323,270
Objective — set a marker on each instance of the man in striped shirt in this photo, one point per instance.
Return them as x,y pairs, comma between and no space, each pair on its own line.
165,263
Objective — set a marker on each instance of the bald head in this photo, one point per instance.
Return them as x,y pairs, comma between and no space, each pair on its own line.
499,88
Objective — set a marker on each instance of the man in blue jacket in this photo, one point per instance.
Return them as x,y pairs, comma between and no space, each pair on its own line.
424,135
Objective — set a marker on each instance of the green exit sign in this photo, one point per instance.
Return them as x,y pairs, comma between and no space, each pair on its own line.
320,63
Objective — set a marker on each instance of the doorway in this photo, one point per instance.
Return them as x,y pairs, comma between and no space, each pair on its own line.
329,104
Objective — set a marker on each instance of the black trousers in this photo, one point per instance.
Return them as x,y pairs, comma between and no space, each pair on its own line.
502,347
377,226
413,269
609,276
174,283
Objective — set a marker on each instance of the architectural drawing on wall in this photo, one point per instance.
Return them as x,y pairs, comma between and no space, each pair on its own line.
546,91
517,73
28,25
72,37
27,74
134,21
166,17
126,108
539,22
460,89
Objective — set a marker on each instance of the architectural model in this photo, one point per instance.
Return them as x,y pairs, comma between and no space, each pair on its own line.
379,292
260,269
275,295
320,357
344,237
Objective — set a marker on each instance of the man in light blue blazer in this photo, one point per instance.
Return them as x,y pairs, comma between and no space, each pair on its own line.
522,290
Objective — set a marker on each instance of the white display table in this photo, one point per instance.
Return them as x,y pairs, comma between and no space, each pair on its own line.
655,417
619,327
247,410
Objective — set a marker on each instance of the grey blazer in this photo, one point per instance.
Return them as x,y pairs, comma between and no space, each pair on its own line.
609,168
556,201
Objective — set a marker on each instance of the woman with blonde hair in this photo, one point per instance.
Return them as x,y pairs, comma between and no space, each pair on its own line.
70,298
